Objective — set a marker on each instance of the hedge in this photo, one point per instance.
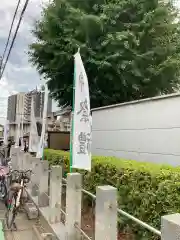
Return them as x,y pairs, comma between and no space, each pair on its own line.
147,191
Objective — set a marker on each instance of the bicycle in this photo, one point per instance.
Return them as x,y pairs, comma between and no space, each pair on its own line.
4,159
15,194
3,183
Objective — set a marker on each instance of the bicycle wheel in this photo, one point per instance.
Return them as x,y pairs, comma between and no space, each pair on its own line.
3,190
11,209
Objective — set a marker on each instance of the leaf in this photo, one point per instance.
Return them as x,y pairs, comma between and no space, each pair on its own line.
130,48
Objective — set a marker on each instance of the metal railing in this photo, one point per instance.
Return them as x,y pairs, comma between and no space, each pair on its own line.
125,214
64,213
119,211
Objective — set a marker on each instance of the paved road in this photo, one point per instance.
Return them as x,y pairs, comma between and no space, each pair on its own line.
24,227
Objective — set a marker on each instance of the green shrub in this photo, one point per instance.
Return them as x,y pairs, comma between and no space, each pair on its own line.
147,191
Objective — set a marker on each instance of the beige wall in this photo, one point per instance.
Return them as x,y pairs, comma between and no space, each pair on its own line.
145,130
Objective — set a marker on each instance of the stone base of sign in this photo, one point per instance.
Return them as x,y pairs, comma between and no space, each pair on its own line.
31,210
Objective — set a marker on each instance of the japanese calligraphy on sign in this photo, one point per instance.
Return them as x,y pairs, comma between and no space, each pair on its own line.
81,81
84,143
82,124
84,111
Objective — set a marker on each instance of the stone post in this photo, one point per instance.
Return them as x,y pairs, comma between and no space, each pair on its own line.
31,161
55,194
170,227
12,151
43,199
106,213
21,159
26,161
18,158
36,176
13,156
73,205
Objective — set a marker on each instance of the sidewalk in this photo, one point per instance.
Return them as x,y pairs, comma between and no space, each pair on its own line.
24,227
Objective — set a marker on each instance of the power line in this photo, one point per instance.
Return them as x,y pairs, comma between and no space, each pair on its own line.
0,63
15,35
10,31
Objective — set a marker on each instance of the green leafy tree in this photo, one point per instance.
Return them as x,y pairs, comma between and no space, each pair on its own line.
130,48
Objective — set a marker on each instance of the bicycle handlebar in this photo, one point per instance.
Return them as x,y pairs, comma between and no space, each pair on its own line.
21,173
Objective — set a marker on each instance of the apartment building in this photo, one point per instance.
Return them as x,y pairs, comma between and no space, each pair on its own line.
19,107
11,111
38,98
15,109
27,106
